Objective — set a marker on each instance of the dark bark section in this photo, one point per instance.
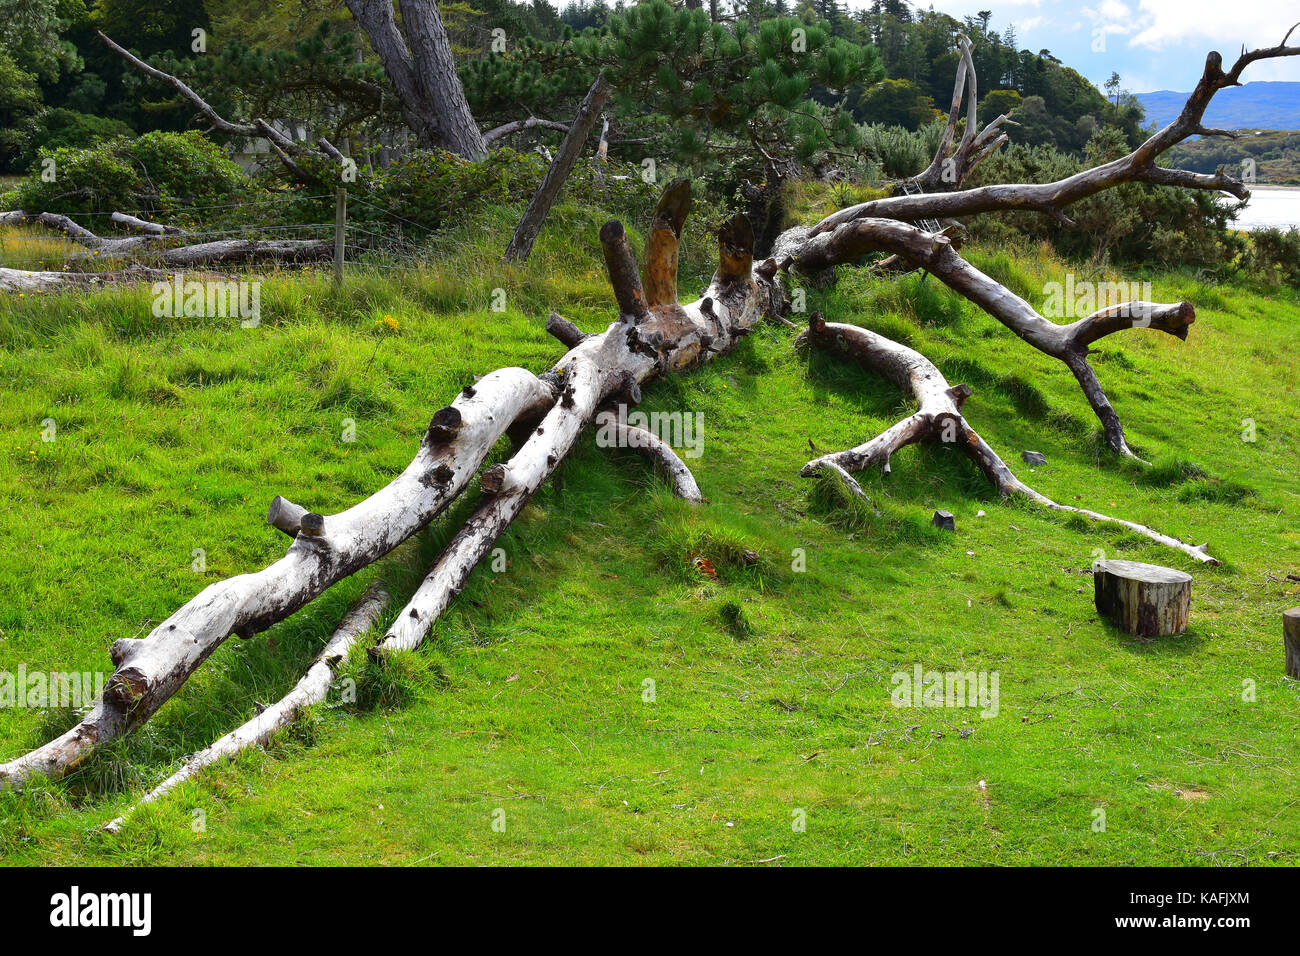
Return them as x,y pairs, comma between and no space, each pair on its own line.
416,56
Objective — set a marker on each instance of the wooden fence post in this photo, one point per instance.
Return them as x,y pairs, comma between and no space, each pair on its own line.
340,222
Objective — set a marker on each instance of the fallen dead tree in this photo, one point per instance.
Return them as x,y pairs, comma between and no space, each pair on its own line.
1068,343
149,248
883,225
653,335
325,550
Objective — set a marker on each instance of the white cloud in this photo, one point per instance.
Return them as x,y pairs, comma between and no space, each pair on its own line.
1166,22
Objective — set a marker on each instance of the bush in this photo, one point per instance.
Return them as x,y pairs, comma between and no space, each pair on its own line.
898,152
156,175
427,186
1274,255
65,129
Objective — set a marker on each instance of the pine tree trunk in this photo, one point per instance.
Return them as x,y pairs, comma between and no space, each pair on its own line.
417,58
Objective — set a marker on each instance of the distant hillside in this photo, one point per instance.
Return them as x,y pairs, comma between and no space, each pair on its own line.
1261,105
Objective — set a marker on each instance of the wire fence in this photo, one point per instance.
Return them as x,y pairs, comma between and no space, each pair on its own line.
36,246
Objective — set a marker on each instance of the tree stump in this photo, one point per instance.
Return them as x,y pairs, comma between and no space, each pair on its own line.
1143,599
1291,638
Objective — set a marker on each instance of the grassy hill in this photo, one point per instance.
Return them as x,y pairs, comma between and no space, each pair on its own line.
771,686
1276,155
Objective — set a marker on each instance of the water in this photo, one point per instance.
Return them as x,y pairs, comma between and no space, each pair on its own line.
1271,206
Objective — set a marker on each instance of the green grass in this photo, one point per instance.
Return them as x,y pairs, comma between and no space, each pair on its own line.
771,686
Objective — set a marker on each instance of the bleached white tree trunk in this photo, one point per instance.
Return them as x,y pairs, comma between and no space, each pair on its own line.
312,689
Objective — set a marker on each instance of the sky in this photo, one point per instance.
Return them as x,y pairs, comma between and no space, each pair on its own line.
1151,44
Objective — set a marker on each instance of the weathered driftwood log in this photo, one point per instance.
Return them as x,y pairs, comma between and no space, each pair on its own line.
312,689
938,418
1143,599
1291,638
148,247
225,251
24,281
150,669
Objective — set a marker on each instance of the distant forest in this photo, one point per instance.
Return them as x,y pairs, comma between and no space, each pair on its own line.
60,87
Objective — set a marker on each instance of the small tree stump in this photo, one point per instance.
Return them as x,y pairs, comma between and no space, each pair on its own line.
1143,599
944,520
1291,638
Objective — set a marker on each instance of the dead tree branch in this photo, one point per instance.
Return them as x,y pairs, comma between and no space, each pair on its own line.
150,669
938,418
1068,343
311,689
1052,198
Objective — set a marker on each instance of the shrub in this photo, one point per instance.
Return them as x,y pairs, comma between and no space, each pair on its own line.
155,174
64,129
1274,255
427,186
